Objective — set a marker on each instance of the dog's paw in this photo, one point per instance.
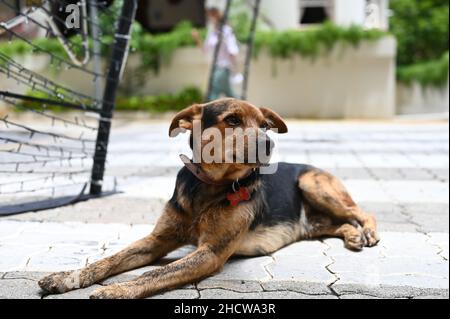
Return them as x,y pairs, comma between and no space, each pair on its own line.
371,237
61,282
355,242
111,292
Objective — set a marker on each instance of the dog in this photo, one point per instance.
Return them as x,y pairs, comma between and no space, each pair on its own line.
228,209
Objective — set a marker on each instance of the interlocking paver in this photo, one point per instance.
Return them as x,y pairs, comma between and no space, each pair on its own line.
227,294
399,172
19,289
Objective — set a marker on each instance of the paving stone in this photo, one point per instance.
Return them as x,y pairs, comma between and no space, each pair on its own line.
431,223
397,172
303,249
295,268
430,297
336,247
75,294
408,245
227,294
234,285
113,209
387,291
417,191
403,266
52,234
400,227
440,239
36,276
15,257
397,280
303,287
362,297
10,229
19,289
441,209
61,258
179,294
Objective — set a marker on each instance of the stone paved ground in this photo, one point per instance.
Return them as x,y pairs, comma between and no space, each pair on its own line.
397,170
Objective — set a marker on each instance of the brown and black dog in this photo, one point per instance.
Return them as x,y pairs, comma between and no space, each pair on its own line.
228,209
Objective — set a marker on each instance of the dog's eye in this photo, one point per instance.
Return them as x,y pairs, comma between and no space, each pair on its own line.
233,120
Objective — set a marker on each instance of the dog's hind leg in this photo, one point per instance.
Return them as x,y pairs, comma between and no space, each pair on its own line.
165,238
325,193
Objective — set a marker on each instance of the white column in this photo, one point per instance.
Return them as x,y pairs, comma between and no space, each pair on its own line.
348,12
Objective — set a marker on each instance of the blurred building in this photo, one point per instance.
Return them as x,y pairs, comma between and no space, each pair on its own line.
292,14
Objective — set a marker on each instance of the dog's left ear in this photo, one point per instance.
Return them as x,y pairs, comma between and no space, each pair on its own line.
184,120
274,120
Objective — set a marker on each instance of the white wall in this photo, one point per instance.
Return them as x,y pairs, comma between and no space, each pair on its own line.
349,83
348,12
284,14
416,99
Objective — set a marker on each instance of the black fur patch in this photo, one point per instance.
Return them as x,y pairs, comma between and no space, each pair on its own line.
278,199
211,112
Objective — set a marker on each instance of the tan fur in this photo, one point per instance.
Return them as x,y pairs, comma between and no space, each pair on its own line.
267,240
326,194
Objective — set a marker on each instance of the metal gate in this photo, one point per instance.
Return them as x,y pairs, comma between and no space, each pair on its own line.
49,158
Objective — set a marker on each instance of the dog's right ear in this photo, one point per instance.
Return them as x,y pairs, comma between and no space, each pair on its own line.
184,120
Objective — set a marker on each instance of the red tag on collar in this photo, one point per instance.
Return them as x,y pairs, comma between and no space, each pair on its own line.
242,195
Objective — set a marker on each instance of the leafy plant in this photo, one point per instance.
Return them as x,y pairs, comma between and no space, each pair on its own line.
161,103
153,103
313,42
422,30
432,73
155,50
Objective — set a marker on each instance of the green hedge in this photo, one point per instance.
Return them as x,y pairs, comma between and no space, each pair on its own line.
313,42
422,30
155,50
432,73
161,103
154,104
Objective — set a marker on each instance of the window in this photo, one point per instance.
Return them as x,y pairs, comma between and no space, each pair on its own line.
315,11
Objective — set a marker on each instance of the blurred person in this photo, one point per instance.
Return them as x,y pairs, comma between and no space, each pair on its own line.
227,59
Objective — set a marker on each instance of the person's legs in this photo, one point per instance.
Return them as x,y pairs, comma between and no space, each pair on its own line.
221,84
228,86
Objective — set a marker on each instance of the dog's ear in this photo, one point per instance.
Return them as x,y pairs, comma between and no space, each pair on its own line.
183,121
274,120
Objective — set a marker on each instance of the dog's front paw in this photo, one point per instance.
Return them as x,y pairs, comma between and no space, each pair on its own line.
355,242
112,292
371,236
61,282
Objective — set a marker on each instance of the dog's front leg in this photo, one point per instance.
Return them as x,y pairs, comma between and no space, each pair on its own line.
166,237
198,265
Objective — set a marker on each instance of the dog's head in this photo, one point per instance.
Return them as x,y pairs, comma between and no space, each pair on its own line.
229,136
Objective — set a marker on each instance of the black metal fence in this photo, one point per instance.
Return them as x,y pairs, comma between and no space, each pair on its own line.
50,158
